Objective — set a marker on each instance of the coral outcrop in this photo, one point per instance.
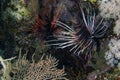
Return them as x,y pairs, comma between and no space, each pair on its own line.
112,56
111,9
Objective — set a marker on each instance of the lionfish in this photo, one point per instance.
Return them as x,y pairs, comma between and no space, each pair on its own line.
86,39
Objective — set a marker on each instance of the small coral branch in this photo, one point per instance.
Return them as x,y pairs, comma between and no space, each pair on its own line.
6,67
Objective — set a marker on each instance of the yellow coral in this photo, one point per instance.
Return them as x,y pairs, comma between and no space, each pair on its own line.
23,11
92,1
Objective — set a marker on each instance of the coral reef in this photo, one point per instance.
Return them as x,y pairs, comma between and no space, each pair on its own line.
22,69
110,9
112,56
59,28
